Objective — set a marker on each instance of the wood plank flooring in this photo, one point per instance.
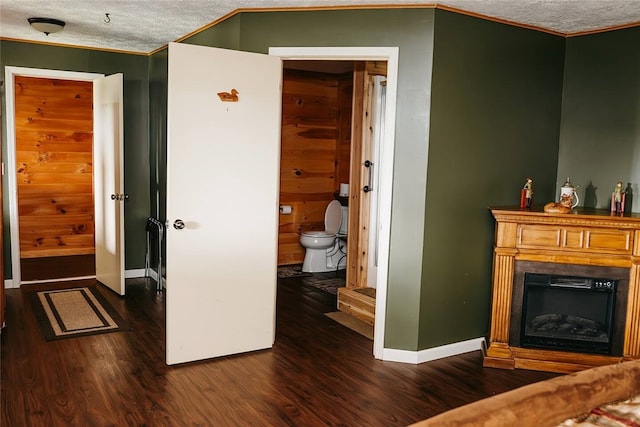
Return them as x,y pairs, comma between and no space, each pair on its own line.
319,373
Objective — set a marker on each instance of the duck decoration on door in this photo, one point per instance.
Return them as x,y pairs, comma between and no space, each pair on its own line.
229,96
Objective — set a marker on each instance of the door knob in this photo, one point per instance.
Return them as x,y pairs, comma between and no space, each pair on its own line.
178,224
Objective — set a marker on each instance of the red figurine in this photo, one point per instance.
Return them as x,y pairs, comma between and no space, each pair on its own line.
526,195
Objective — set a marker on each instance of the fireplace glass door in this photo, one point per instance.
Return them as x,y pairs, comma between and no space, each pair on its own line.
568,313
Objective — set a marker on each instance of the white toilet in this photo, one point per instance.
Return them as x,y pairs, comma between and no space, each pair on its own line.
327,250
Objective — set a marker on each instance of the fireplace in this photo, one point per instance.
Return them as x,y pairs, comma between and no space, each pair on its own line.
568,313
569,307
591,251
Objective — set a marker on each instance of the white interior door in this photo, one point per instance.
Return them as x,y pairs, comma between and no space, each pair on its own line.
108,181
223,162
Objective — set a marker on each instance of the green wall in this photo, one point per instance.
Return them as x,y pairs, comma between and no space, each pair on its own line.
495,120
136,127
225,35
158,68
600,134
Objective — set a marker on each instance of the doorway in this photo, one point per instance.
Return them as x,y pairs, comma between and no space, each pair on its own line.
314,152
106,167
386,150
54,175
331,120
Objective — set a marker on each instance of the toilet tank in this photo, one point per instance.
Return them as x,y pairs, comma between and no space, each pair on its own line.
345,220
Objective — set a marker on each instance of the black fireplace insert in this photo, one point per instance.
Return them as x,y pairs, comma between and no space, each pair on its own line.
568,313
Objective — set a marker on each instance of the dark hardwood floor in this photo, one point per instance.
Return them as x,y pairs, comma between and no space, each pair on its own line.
319,373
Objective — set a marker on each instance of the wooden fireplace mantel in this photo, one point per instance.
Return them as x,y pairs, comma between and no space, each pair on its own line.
583,237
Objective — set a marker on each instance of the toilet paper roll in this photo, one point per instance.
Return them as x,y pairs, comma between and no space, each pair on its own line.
285,210
344,189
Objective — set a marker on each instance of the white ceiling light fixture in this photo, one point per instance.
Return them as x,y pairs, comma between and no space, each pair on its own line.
46,25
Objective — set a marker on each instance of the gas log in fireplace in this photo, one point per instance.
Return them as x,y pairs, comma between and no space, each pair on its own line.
566,290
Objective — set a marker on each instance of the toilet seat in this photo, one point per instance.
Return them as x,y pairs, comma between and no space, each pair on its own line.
332,222
317,234
333,217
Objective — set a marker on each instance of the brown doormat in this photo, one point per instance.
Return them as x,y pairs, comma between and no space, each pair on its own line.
67,313
287,271
329,285
357,325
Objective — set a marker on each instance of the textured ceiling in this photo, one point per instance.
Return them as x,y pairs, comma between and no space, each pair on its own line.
146,25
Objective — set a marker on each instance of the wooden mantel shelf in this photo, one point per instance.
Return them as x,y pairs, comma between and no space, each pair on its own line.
583,237
576,216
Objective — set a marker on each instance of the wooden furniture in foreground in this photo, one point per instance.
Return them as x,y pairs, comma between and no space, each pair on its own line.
549,402
582,237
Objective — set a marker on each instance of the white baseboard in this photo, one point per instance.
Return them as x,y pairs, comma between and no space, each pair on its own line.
133,274
427,355
128,274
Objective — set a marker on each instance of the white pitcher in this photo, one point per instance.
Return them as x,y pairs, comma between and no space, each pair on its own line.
568,190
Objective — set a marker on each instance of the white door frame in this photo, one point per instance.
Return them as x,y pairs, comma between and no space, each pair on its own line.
10,166
390,55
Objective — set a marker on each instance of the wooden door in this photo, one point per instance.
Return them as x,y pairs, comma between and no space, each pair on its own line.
378,122
360,252
223,156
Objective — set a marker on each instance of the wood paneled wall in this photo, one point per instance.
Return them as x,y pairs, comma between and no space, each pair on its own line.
54,156
316,133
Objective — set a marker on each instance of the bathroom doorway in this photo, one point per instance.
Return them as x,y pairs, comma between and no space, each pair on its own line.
359,175
332,120
315,148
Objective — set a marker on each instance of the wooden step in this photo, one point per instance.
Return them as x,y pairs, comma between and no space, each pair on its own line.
357,304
